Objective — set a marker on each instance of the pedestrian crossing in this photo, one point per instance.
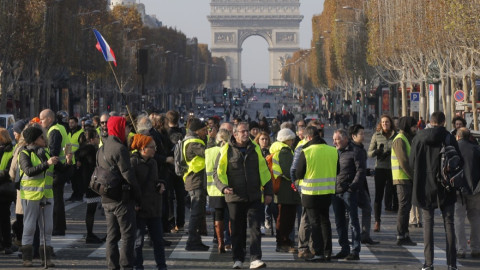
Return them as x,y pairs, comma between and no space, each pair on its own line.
180,253
439,255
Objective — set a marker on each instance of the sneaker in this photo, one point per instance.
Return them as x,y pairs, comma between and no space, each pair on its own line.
262,230
93,239
406,242
198,247
305,254
292,250
340,255
268,224
177,229
257,264
369,241
282,249
352,257
237,265
228,247
425,267
316,258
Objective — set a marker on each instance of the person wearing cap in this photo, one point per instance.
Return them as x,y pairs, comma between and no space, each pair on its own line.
149,211
36,174
57,139
194,178
402,176
287,198
119,213
242,174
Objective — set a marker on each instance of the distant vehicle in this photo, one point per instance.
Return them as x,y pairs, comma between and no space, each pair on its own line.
313,117
266,105
7,120
254,98
238,102
217,101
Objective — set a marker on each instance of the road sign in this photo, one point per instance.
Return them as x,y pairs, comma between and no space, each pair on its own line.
459,95
415,97
415,101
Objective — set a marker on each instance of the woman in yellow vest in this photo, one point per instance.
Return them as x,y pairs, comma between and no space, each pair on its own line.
216,198
8,192
36,174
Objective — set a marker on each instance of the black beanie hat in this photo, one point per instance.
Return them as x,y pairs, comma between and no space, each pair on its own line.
19,126
31,134
196,124
253,125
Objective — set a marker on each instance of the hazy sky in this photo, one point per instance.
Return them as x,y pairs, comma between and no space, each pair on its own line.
190,17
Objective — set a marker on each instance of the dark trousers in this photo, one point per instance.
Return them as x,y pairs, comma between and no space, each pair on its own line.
321,229
177,193
59,221
197,213
90,217
240,214
155,230
404,194
343,204
383,186
78,186
365,203
5,225
285,223
120,224
448,224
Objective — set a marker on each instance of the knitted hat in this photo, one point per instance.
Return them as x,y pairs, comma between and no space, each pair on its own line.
31,134
196,124
253,125
285,134
19,126
140,141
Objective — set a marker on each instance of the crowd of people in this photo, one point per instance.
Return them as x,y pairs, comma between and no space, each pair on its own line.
251,175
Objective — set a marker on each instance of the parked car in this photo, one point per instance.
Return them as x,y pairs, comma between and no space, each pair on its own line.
7,121
266,105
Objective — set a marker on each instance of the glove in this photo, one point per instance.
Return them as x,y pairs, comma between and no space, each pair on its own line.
378,152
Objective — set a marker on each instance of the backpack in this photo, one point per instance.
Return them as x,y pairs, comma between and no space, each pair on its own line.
181,166
451,175
275,181
106,182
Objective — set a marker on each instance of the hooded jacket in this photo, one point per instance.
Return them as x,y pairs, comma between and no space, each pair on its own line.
428,193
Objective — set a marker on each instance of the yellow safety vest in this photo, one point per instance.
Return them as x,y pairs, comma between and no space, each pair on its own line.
210,157
275,150
35,187
74,140
321,170
397,172
7,156
197,163
99,131
223,165
300,143
65,140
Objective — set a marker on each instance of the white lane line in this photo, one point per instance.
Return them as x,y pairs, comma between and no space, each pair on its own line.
61,242
72,205
269,244
366,256
180,253
439,255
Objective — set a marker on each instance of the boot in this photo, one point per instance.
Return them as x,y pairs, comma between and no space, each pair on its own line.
27,255
219,228
376,228
49,256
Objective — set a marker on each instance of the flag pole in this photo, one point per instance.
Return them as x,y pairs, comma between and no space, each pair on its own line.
123,97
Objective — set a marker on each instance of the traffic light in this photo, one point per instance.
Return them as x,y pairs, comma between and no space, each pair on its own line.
225,92
359,96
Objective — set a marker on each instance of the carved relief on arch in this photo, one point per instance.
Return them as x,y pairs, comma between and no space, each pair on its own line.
225,37
286,37
245,33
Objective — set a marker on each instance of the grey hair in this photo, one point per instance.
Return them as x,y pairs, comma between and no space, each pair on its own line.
223,135
342,133
143,123
289,125
235,127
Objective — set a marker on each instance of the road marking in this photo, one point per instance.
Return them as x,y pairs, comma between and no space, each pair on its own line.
269,244
72,205
180,253
61,242
101,251
439,255
366,256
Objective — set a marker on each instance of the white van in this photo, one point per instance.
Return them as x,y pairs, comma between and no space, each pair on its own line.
7,120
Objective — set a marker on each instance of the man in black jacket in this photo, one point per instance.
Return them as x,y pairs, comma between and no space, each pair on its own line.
349,180
119,212
428,192
468,205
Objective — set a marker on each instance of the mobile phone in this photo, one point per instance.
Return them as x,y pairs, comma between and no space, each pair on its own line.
381,146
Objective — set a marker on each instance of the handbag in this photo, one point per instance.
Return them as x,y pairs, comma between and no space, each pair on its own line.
106,182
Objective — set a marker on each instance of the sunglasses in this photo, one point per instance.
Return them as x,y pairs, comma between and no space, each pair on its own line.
103,123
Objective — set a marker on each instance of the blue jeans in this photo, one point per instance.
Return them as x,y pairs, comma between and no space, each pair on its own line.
347,203
155,230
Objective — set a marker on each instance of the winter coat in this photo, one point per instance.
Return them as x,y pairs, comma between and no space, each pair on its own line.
87,156
383,160
147,176
352,171
471,167
424,159
195,180
286,195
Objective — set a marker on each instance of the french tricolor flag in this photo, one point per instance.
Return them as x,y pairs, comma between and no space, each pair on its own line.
104,48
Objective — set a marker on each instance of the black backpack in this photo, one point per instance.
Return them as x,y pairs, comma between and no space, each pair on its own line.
451,174
181,166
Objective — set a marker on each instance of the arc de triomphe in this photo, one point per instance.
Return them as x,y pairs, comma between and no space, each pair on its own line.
233,21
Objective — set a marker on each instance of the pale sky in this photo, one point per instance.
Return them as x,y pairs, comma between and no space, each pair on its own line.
190,17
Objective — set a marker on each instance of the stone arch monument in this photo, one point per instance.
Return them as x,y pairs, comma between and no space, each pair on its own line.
233,21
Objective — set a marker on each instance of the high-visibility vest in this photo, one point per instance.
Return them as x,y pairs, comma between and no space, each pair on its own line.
397,172
275,150
74,140
65,140
210,157
35,187
321,170
7,156
197,163
301,143
263,170
99,131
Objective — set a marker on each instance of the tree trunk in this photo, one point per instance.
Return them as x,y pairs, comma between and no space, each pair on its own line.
423,101
465,91
404,96
474,101
453,88
427,95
